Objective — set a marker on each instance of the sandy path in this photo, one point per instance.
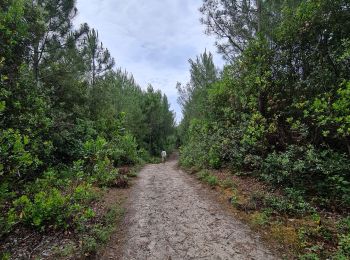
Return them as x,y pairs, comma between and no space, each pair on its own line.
171,216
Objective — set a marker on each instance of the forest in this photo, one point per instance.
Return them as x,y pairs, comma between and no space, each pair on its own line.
279,111
73,124
68,118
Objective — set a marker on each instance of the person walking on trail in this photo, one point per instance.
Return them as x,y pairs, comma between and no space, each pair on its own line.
163,156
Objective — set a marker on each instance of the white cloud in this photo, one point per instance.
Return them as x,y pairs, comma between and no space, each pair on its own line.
151,39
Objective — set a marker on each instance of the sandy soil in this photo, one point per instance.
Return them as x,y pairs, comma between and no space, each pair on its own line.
172,216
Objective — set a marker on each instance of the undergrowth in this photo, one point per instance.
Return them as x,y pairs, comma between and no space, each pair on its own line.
287,218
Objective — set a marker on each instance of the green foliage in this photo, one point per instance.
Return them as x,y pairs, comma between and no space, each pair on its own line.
343,251
212,180
99,234
206,176
20,160
280,109
68,120
292,203
326,172
52,208
101,158
5,256
330,112
44,208
124,150
260,219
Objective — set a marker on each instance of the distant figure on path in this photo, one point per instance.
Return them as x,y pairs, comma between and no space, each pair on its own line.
163,156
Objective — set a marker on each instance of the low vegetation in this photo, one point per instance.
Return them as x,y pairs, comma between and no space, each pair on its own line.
284,218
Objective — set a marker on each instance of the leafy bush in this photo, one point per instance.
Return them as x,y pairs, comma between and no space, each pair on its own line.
203,174
144,155
292,203
212,180
47,207
320,172
124,150
97,163
202,150
234,198
53,208
15,158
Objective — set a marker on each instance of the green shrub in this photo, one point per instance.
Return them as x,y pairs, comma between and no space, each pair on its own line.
155,160
144,155
212,180
123,150
84,193
203,174
16,158
319,172
291,204
206,176
203,149
344,244
46,207
53,208
89,244
5,256
98,162
214,158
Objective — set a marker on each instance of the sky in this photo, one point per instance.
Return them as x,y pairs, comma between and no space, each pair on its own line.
151,39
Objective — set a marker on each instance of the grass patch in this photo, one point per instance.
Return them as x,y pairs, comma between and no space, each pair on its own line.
260,218
284,234
66,250
227,183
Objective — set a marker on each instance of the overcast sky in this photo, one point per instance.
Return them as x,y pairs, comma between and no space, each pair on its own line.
151,39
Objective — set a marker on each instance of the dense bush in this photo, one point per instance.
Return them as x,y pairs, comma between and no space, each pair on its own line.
292,203
52,208
327,172
63,130
280,108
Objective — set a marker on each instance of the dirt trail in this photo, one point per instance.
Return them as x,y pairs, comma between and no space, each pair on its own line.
171,216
